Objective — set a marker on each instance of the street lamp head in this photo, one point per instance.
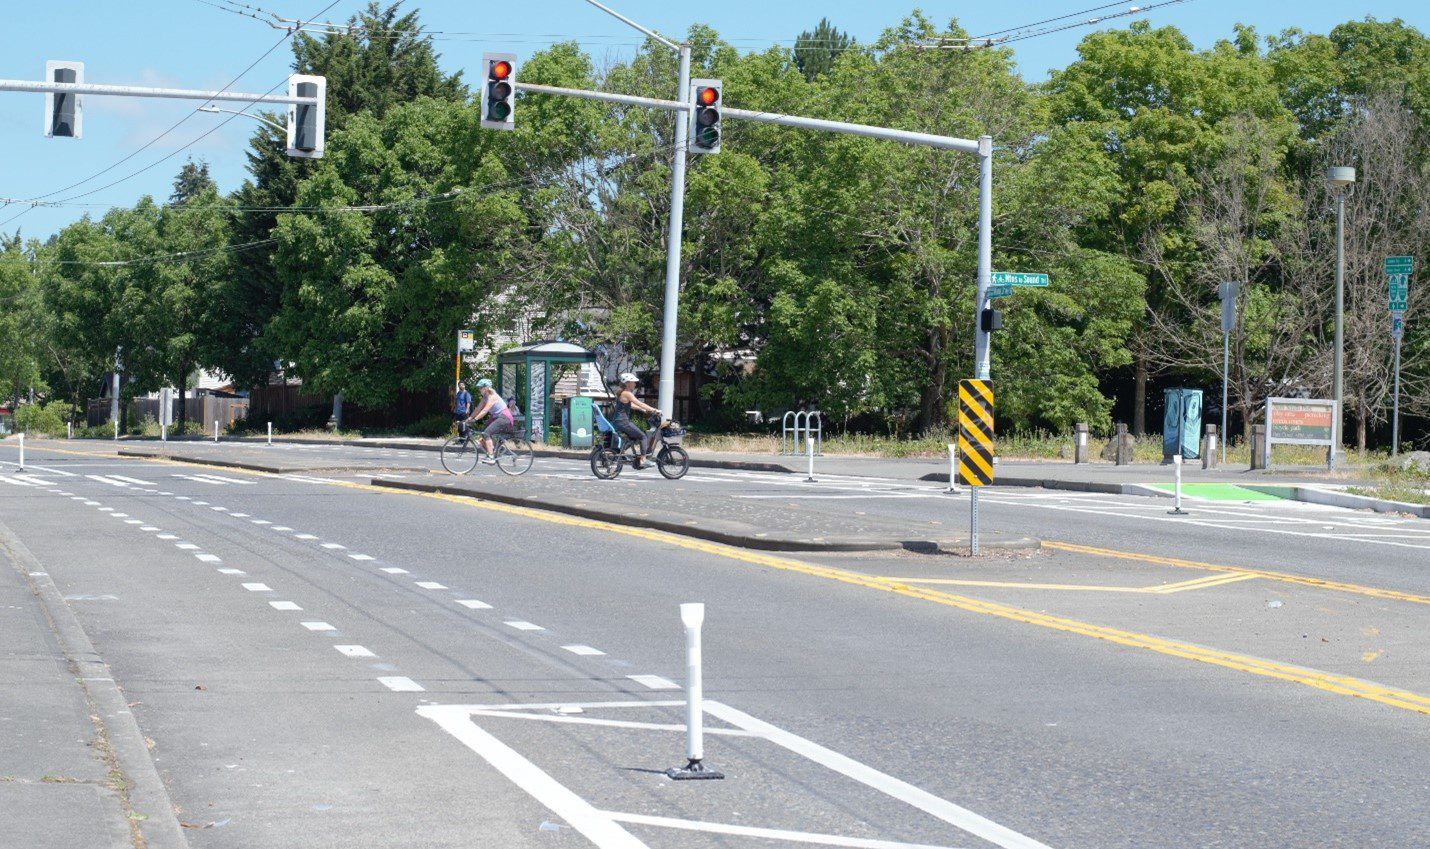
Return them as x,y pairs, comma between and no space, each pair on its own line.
1339,177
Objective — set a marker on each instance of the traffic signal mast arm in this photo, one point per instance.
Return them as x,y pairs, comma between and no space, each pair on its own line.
40,87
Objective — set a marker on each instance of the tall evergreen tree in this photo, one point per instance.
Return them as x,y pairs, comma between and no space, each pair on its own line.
815,52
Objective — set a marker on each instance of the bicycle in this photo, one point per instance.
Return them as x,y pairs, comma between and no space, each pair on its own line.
460,454
611,452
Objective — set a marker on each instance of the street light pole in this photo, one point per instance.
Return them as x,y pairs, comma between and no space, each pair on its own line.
1340,179
260,118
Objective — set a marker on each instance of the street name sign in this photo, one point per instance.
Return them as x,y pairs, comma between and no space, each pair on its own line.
1019,278
1000,290
1397,277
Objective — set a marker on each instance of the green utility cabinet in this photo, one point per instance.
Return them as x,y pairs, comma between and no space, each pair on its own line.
577,423
1182,424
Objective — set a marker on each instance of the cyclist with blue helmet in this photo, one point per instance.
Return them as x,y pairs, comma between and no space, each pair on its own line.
502,422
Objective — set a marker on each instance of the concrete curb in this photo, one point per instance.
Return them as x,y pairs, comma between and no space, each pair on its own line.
736,534
1336,498
147,795
1051,483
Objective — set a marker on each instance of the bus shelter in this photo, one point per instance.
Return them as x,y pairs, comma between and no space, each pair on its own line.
526,375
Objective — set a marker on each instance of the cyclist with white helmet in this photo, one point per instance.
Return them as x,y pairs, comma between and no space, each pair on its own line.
625,401
501,422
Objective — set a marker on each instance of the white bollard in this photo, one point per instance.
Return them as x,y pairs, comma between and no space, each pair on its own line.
163,432
270,433
69,430
22,451
953,469
1177,488
692,616
809,445
215,430
116,430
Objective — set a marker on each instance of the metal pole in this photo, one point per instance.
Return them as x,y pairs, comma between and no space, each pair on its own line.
141,91
666,400
985,258
1337,386
1395,416
692,616
973,520
1225,376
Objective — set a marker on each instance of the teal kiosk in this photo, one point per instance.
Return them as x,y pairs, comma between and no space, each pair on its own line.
526,375
1182,424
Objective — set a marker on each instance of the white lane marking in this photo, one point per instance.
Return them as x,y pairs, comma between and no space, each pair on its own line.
131,480
260,521
167,536
258,588
764,833
149,528
220,509
77,498
186,546
162,492
318,626
213,477
283,605
582,816
199,480
46,469
360,556
239,515
105,509
280,528
182,498
31,479
473,604
333,546
355,651
393,570
201,504
133,521
228,571
119,515
608,723
209,558
400,684
654,682
955,815
303,536
430,585
584,651
523,626
90,503
14,482
110,481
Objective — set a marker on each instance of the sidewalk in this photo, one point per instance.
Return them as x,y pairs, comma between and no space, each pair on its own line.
74,770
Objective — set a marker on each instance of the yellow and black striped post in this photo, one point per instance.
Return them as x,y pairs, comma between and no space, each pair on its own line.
975,432
975,446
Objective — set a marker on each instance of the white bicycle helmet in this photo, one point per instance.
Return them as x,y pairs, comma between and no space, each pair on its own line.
628,377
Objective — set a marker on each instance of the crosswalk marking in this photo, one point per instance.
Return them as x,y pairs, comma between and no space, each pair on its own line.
221,478
110,481
132,480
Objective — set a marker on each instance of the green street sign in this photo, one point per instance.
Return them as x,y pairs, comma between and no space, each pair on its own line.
1000,290
1397,277
1019,278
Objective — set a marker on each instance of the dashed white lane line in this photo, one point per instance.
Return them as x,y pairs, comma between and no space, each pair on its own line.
400,684
360,556
133,521
334,546
280,528
131,480
474,604
182,498
393,570
149,528
201,504
260,521
258,588
220,509
584,651
303,536
355,651
120,515
240,515
521,625
228,571
186,546
167,536
90,503
654,682
105,509
318,626
209,558
283,605
430,585
165,492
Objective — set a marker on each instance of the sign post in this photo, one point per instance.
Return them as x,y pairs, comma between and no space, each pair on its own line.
466,341
1398,270
975,446
1228,293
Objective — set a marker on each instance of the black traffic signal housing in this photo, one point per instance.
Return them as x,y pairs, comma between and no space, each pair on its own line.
705,127
499,96
307,122
990,320
64,112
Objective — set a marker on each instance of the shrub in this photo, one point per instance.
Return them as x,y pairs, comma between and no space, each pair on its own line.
437,424
47,419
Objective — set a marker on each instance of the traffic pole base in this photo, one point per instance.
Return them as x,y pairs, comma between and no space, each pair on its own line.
1178,512
694,771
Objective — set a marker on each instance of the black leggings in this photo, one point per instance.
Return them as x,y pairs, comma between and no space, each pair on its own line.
634,434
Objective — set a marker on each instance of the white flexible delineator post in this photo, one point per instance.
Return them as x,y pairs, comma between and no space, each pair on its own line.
692,617
1177,486
270,433
22,451
215,430
809,448
953,469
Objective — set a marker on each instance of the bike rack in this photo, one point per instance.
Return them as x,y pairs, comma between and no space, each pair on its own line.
796,427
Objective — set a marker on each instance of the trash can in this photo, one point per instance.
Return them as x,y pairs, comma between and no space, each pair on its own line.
577,422
1182,424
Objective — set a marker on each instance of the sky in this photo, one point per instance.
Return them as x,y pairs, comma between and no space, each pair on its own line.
194,44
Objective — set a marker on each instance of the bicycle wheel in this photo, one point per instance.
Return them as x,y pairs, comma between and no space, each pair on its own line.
459,455
514,456
606,462
673,462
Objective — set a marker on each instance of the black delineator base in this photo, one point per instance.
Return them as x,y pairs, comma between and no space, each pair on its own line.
693,771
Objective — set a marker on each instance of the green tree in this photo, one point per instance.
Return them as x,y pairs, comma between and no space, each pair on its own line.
21,324
815,51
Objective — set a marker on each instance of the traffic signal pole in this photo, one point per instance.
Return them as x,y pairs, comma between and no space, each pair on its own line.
674,240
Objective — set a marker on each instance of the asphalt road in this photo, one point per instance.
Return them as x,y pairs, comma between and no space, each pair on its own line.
323,663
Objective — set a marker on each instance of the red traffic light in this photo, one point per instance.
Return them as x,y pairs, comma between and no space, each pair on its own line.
707,96
501,70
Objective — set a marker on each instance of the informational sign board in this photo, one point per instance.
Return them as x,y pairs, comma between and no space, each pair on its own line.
975,432
1397,326
466,341
1299,421
1398,270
